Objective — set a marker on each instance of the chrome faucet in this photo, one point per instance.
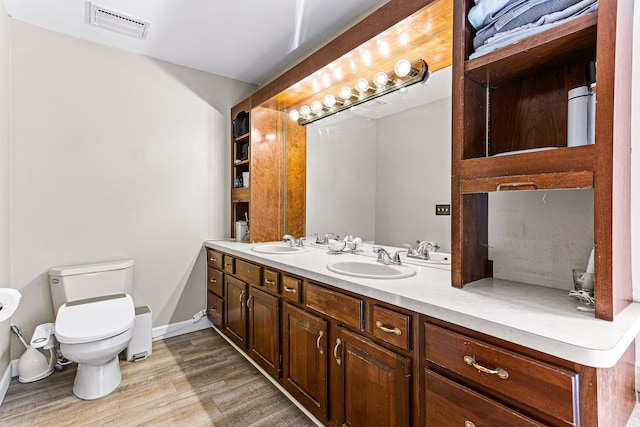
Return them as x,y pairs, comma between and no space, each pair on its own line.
325,240
422,249
292,241
384,257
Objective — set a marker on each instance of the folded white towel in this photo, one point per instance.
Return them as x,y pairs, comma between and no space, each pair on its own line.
483,8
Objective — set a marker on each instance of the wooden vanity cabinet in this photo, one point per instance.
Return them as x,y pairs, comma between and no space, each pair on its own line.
215,288
264,330
305,355
374,384
235,326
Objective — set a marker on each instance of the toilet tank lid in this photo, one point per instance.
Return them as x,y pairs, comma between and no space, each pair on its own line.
71,270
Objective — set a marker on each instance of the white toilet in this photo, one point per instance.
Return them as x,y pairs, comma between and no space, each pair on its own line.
94,321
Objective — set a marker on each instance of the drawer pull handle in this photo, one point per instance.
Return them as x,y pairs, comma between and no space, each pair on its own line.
335,351
212,309
292,290
501,373
270,281
510,186
249,302
213,280
396,331
213,259
469,424
241,297
228,264
320,349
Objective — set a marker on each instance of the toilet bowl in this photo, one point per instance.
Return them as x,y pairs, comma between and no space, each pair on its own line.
92,332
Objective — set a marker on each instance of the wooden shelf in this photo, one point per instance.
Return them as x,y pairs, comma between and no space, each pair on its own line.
242,194
241,163
241,137
568,43
559,160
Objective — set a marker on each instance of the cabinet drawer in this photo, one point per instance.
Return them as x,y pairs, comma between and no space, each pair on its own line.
271,280
449,404
215,306
214,259
343,308
228,263
214,281
513,378
248,272
392,327
292,288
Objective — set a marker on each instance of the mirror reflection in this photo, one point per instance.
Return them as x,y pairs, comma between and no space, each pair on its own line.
377,171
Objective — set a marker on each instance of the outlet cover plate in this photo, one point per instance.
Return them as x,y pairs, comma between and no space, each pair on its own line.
443,209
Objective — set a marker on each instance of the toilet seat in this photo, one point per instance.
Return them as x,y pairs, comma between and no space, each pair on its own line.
94,319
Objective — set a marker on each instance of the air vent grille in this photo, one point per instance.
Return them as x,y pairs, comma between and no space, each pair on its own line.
118,22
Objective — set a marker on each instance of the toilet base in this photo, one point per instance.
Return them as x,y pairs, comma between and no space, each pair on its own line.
96,381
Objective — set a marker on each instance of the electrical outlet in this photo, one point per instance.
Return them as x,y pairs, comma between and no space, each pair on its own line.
443,209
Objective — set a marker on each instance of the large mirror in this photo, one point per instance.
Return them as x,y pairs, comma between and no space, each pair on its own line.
377,171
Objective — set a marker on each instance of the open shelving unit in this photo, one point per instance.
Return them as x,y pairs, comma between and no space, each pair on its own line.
510,133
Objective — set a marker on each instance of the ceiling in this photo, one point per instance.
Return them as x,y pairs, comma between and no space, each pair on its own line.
247,40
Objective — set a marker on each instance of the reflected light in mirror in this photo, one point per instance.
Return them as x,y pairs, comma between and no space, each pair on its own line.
362,85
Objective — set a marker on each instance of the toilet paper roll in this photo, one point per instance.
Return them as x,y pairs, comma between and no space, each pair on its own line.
577,117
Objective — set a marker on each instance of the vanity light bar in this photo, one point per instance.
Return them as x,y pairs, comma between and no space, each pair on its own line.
404,74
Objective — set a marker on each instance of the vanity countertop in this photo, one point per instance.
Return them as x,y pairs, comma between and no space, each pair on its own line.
536,317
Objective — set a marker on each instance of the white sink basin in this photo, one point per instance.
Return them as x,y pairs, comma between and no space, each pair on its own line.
441,258
371,269
278,248
9,301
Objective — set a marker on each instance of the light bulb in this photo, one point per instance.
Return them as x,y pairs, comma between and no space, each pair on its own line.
345,93
362,85
329,100
402,68
380,79
294,115
316,107
305,111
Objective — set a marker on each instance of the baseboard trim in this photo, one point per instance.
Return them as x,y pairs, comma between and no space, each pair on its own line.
4,383
270,378
175,329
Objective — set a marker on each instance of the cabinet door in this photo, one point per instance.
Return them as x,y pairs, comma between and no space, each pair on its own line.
305,359
374,383
235,292
264,330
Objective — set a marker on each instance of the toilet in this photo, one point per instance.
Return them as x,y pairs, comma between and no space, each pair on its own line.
94,321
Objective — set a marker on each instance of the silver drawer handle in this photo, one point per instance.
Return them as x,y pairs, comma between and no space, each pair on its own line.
381,326
501,373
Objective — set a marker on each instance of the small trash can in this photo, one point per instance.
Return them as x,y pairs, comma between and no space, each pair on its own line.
140,346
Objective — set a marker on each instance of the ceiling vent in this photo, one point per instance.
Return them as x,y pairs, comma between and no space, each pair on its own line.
116,21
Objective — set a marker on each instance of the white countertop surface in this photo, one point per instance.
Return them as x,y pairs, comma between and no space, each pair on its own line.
537,317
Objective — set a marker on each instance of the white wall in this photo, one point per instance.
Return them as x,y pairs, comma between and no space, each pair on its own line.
414,176
115,155
635,158
5,134
341,189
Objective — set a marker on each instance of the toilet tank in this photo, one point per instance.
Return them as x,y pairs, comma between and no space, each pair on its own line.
76,282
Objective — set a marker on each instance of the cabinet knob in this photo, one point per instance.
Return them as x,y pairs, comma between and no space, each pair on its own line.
381,326
499,372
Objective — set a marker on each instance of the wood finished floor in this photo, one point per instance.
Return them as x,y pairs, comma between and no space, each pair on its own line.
196,379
